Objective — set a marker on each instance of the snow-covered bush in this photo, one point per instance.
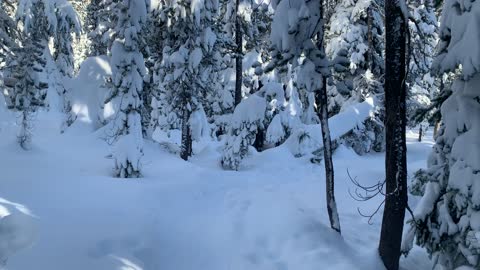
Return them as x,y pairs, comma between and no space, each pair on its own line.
247,119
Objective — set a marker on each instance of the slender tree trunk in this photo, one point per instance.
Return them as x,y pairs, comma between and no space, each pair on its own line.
420,133
371,48
322,103
186,148
238,56
435,129
395,123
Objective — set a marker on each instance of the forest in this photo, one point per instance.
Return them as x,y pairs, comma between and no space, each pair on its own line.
240,134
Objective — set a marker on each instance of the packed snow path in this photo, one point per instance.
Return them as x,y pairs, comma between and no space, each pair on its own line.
189,215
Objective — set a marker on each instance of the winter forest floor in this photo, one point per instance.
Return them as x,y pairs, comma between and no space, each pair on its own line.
189,215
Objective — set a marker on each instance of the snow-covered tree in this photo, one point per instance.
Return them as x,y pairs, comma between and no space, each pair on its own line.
128,70
27,91
8,31
184,73
297,36
422,86
355,35
447,218
100,21
68,22
355,31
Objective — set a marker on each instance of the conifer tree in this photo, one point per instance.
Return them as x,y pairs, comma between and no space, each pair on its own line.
446,220
128,70
27,91
184,73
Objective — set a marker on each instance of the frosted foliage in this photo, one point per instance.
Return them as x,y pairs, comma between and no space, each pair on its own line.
128,70
447,216
459,32
245,122
294,16
448,213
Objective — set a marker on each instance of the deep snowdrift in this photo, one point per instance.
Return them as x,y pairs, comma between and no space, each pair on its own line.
187,215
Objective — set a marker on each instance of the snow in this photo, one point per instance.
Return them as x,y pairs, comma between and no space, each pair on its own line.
249,110
88,92
188,215
340,124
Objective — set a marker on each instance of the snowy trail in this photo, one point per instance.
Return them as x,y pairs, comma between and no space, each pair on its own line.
188,215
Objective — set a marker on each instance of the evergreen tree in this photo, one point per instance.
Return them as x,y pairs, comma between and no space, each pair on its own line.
447,217
184,73
128,70
8,31
421,85
28,90
355,31
100,21
68,22
304,36
355,36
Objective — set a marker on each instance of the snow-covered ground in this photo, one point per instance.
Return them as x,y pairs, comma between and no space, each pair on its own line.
186,215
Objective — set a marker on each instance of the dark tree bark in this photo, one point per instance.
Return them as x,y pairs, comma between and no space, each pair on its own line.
322,104
371,48
420,133
186,148
395,123
238,56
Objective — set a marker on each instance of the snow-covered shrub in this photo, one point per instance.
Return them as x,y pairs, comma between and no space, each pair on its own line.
366,137
246,120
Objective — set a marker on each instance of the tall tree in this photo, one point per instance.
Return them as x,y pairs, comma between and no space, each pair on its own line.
27,91
68,23
395,124
304,37
446,220
128,69
238,54
184,73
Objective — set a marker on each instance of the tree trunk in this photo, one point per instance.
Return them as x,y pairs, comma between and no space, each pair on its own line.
395,123
186,148
322,103
238,56
435,129
371,49
420,133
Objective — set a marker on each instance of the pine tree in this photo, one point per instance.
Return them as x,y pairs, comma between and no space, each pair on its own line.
128,70
68,22
447,217
355,31
100,21
184,73
28,91
421,85
355,37
8,31
304,36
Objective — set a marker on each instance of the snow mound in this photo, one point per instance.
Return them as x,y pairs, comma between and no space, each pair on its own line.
88,91
310,136
17,229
